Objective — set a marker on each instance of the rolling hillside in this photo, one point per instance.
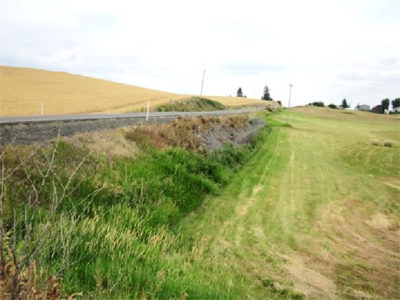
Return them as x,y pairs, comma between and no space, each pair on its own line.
22,90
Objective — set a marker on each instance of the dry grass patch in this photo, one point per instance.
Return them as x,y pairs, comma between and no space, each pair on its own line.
363,249
110,142
28,285
241,101
185,133
348,115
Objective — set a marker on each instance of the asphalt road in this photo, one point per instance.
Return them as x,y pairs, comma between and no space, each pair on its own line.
52,118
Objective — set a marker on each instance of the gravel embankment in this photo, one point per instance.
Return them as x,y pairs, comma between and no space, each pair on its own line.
39,132
28,133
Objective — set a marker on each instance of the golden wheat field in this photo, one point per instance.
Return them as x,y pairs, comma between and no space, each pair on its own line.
239,101
23,90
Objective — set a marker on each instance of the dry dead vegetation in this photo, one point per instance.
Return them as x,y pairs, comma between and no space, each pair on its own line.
196,134
109,142
26,286
23,90
189,133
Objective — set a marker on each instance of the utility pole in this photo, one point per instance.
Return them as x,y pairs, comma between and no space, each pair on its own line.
202,82
290,95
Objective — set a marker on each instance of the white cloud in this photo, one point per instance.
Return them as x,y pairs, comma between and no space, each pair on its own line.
329,50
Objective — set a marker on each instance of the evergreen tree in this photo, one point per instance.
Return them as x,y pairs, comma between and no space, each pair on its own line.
385,104
239,92
396,103
266,96
344,104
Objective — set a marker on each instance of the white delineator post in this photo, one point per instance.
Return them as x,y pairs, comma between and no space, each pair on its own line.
148,107
290,96
41,109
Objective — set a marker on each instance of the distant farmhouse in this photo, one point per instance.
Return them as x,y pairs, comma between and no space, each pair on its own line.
378,109
397,109
364,107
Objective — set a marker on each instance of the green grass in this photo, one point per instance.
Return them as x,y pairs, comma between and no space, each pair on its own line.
302,197
288,216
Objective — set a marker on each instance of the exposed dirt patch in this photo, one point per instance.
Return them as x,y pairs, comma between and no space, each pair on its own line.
310,282
257,189
242,210
225,243
379,221
258,231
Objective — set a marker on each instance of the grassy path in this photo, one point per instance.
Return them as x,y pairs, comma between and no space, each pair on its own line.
315,212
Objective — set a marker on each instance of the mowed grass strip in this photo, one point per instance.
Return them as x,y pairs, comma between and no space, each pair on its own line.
23,90
315,213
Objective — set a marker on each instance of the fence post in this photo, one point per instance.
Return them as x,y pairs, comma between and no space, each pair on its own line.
148,107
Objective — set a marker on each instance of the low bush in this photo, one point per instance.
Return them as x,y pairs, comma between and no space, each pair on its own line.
194,104
318,104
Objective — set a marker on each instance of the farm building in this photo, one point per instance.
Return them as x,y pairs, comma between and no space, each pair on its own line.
378,109
364,107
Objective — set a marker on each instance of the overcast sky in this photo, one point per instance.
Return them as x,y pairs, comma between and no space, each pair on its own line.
329,50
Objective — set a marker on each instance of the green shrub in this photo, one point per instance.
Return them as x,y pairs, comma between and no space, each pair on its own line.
333,106
317,103
194,104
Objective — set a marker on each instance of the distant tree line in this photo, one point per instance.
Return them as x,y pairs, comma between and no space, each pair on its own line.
317,103
385,103
266,95
333,106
